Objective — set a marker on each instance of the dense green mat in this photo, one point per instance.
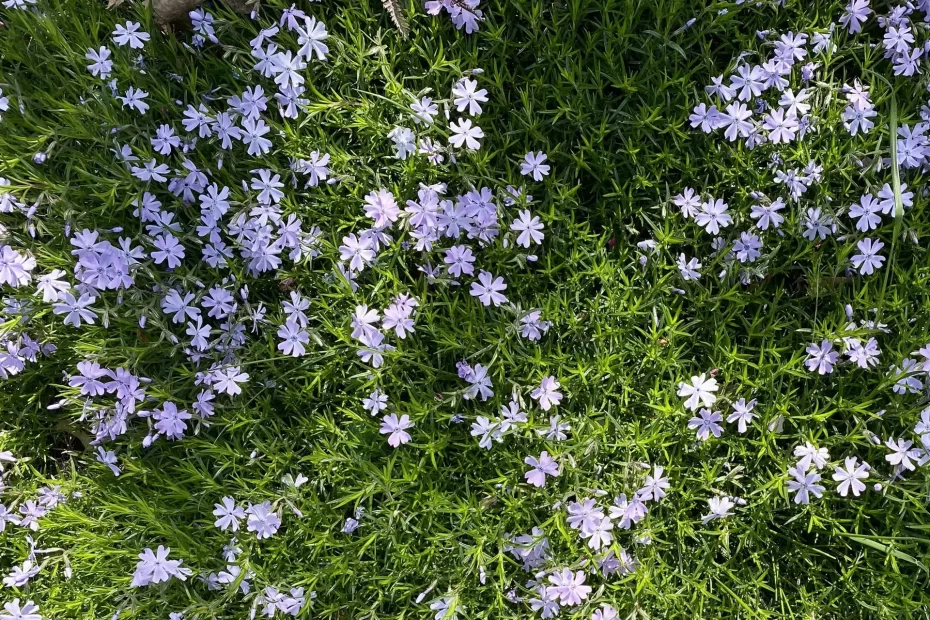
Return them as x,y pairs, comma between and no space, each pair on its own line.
605,89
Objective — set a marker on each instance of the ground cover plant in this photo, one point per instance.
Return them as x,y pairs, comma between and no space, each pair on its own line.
530,309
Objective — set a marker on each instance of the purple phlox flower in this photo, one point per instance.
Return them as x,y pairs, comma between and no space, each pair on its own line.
869,259
398,317
811,456
228,378
293,338
706,423
486,430
688,201
262,520
51,286
533,165
887,198
821,358
90,378
782,125
198,119
381,207
855,13
424,110
866,213
540,468
569,586
180,307
171,421
718,88
101,64
864,355
737,120
605,612
155,567
713,215
546,603
295,308
817,224
311,39
376,402
199,334
363,320
358,251
488,289
404,141
902,455
251,103
76,310
316,168
533,327
742,413
15,611
857,117
584,515
132,34
747,247
228,514
795,104
907,377
396,429
480,383
628,512
465,134
168,249
689,268
699,391
15,267
467,96
547,393
706,118
748,81
655,485
108,458
530,228
253,132
556,430
459,259
720,507
803,485
850,476
599,536
134,99
21,575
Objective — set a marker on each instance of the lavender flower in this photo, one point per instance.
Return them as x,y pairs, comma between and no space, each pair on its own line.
533,166
396,428
706,423
540,468
821,358
547,393
262,520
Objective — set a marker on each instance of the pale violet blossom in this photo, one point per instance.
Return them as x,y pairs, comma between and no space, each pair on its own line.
850,476
706,423
533,166
700,391
396,429
547,394
544,466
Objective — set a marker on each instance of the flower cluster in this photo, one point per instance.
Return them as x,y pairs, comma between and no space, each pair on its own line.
219,262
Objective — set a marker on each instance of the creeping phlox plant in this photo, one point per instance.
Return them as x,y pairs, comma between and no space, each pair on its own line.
258,236
779,101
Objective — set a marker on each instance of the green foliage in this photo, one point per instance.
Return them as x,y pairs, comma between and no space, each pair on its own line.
604,87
